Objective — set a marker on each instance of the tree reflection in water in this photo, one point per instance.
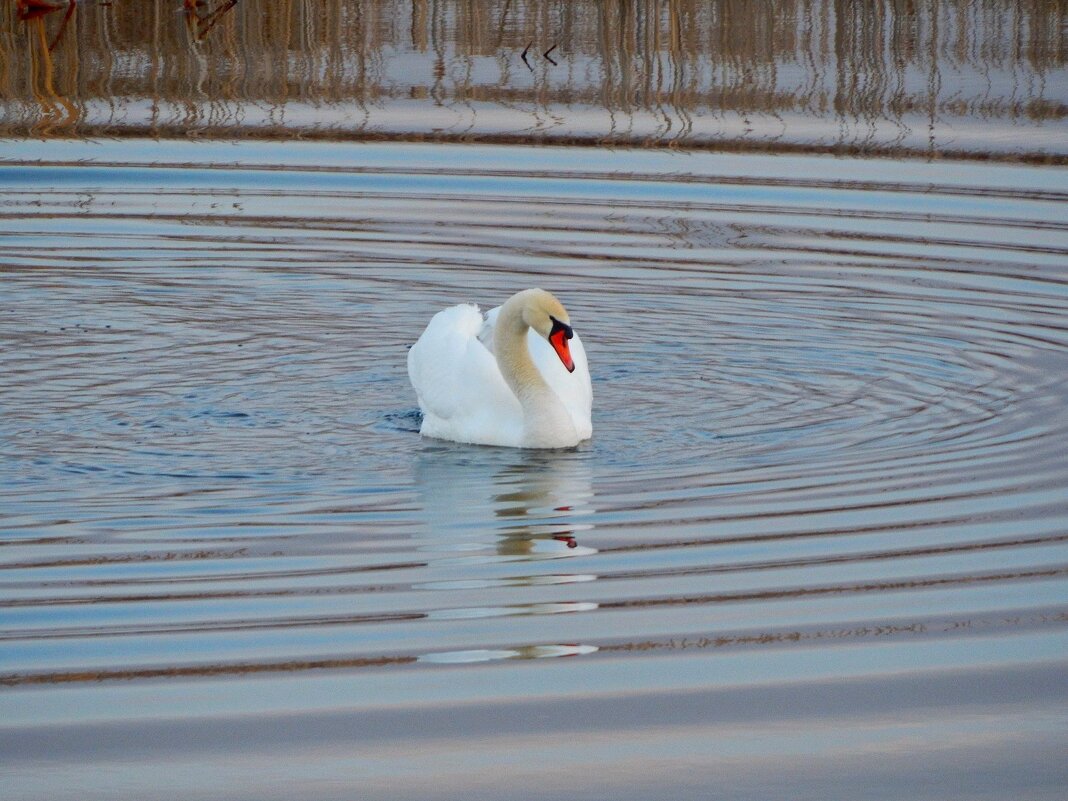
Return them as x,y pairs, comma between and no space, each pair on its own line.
955,76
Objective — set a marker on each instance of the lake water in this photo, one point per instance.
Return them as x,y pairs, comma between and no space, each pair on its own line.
819,538
818,545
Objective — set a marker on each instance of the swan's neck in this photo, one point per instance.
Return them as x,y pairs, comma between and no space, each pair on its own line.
544,415
513,355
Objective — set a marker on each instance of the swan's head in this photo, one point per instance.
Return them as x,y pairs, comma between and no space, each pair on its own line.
546,315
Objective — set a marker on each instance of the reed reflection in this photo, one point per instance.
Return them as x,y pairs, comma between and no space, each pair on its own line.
889,75
201,16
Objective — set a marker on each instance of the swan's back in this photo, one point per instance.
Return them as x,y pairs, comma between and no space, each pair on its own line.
461,391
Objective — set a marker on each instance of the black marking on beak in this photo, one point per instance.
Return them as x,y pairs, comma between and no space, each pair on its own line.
569,332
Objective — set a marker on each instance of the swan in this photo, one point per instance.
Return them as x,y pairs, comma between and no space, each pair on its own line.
516,377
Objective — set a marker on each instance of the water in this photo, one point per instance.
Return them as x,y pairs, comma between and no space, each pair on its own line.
817,547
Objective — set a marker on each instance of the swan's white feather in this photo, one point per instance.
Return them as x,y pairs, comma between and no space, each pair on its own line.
462,393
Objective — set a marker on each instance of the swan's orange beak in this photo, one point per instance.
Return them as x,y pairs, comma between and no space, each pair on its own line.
558,338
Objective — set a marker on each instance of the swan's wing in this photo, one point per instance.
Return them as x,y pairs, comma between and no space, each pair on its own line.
485,336
461,391
574,389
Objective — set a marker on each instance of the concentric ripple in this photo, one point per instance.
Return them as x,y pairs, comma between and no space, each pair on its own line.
830,416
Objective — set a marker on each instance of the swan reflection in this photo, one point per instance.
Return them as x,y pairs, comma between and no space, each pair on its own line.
523,652
516,505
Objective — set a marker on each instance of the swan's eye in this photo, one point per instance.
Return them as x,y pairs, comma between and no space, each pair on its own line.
569,332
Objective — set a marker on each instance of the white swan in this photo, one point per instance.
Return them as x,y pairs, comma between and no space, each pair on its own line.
517,377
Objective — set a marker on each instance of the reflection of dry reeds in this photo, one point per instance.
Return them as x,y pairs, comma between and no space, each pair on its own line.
202,18
54,109
673,61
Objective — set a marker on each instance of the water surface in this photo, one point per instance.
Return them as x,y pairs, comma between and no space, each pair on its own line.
817,547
